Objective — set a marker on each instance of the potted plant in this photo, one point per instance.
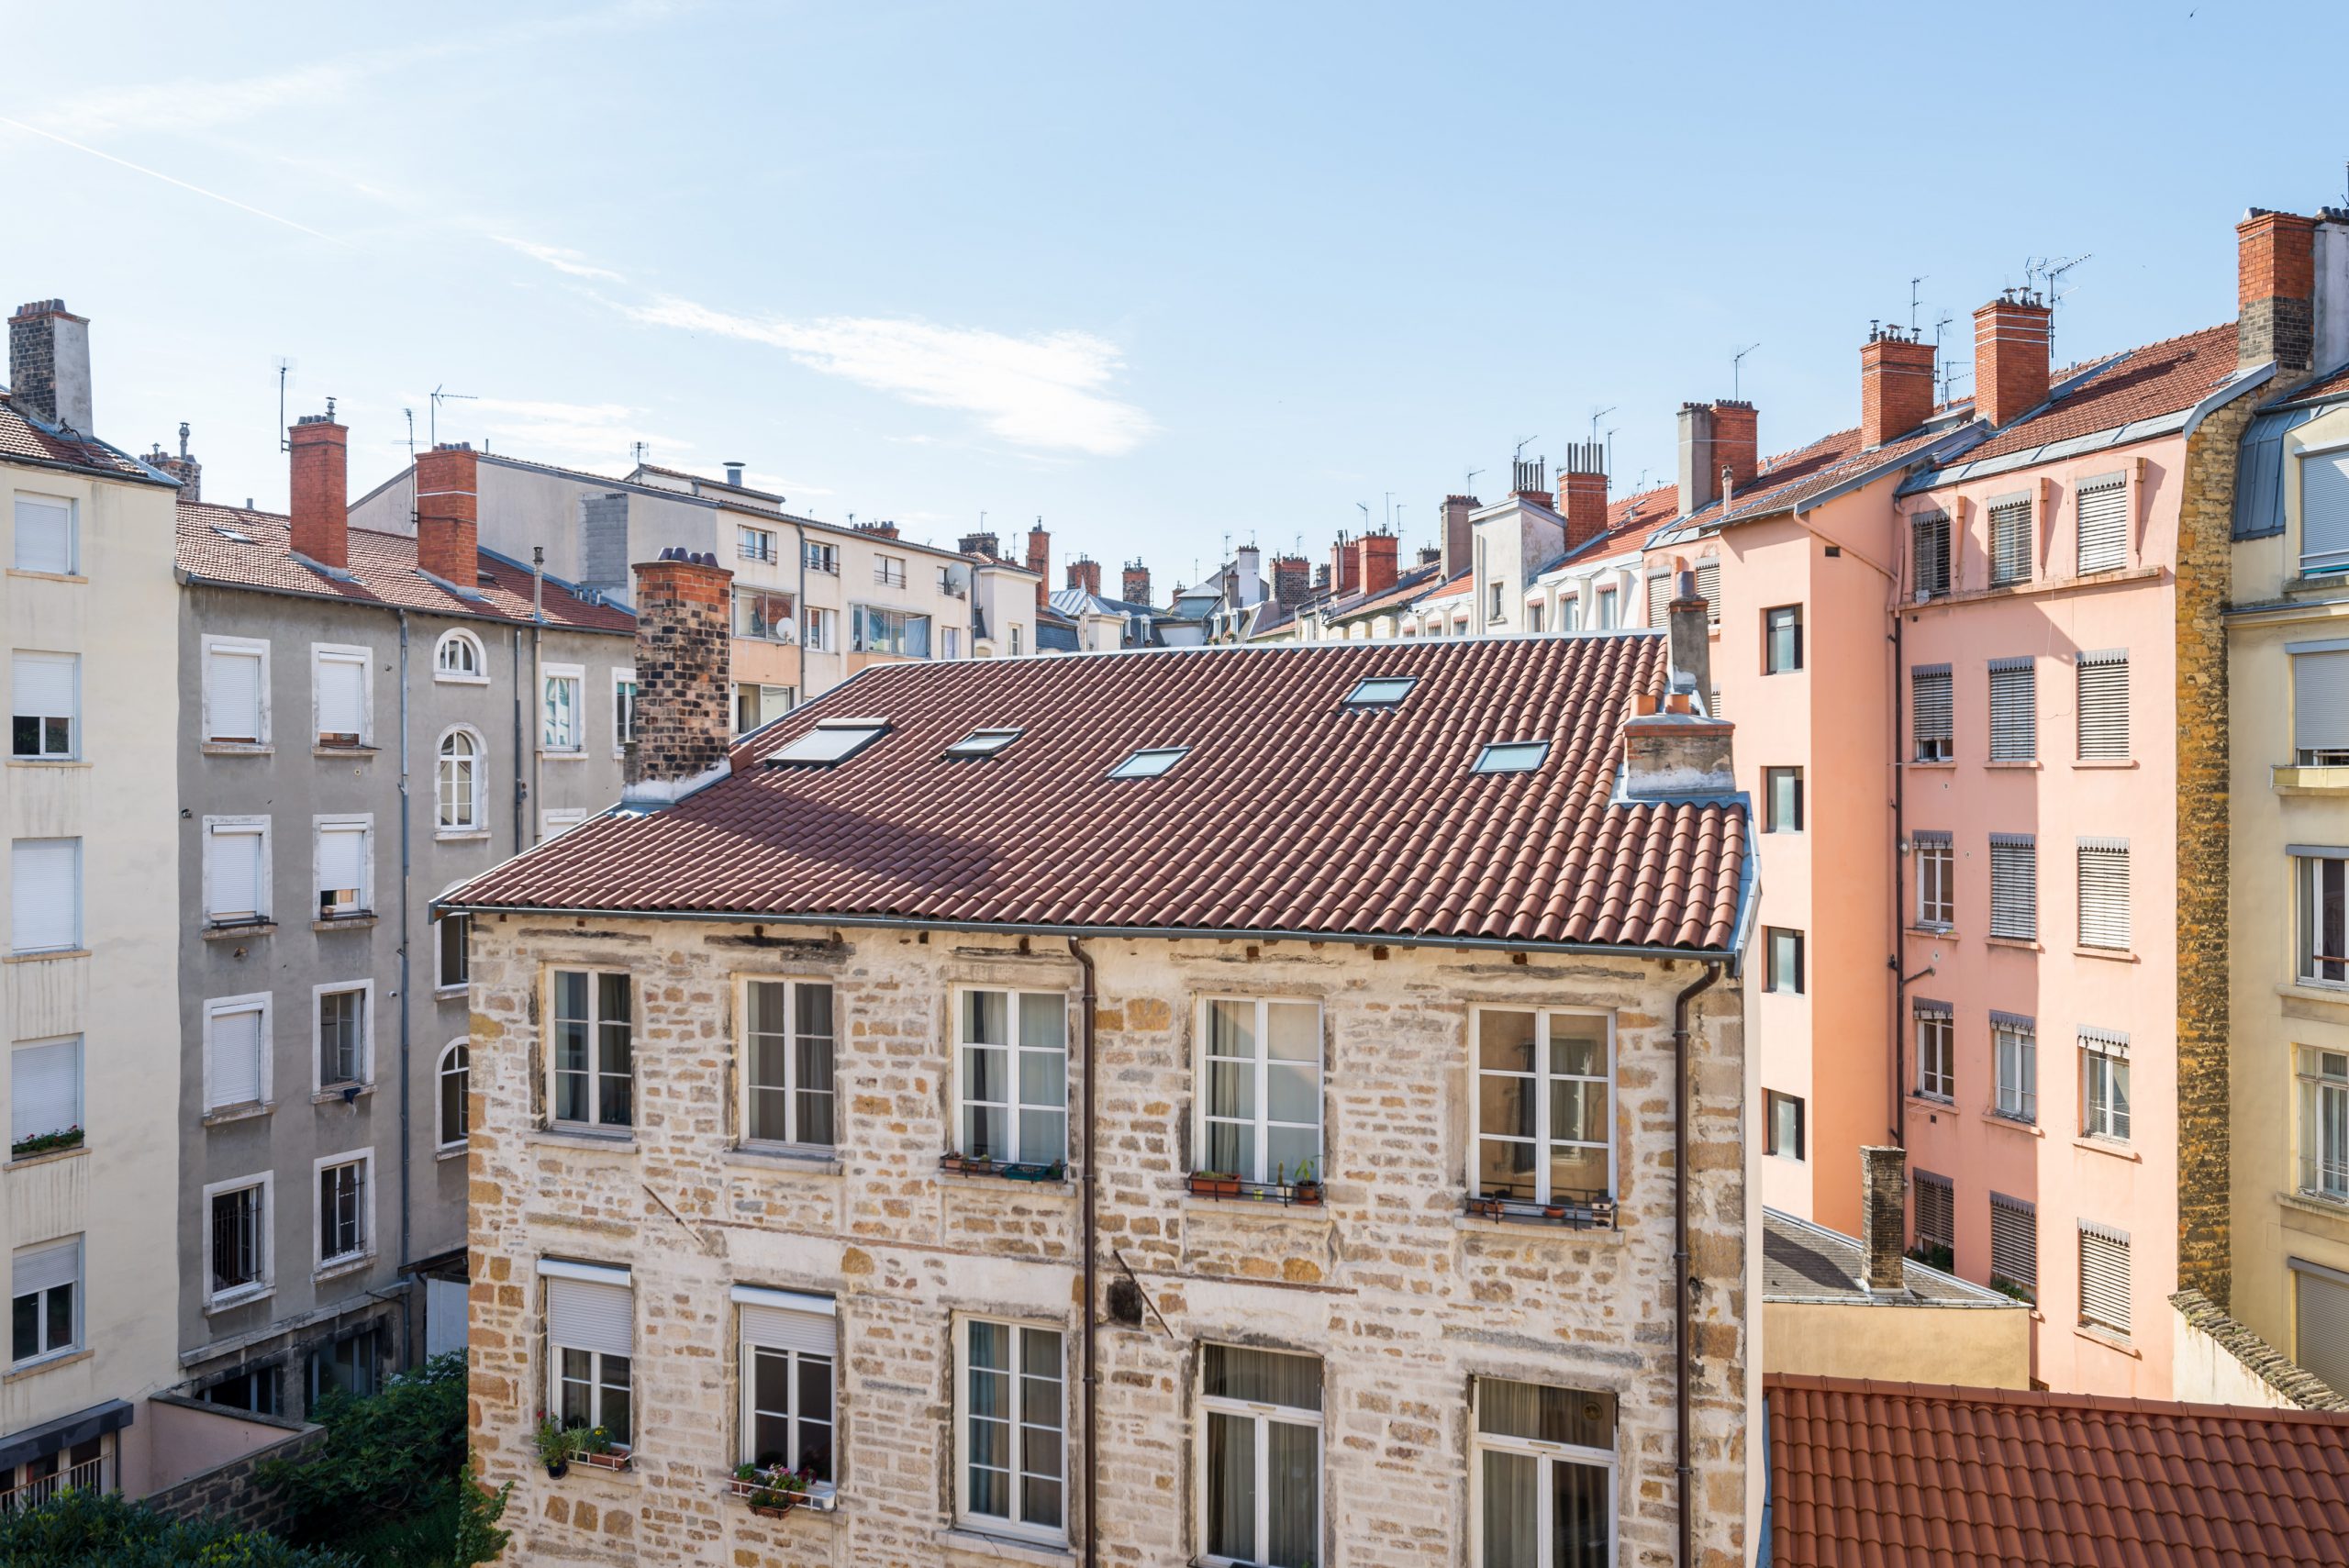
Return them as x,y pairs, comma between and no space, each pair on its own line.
557,1443
1304,1185
771,1491
1215,1183
969,1165
1486,1208
596,1448
46,1143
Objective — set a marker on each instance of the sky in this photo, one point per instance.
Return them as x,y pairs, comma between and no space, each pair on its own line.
1171,278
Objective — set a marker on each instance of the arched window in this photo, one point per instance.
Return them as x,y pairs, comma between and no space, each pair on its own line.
456,1078
457,657
460,782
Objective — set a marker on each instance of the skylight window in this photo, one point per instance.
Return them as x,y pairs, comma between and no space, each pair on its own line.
1381,691
231,535
1150,762
1511,757
980,744
832,740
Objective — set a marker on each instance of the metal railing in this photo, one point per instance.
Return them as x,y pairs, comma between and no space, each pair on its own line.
87,1476
2325,1177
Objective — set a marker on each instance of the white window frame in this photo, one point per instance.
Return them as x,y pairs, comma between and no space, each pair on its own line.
2321,1116
324,653
476,821
1543,1079
79,1333
1262,1415
239,826
2309,863
594,1021
790,1086
77,938
994,1524
457,638
1944,1024
72,1042
73,534
1547,1453
550,1270
623,707
264,1284
2014,1067
818,625
261,1002
366,991
1260,1122
237,647
550,677
1936,881
1015,1001
441,980
748,1348
364,823
73,714
755,544
441,1073
2101,1118
365,1159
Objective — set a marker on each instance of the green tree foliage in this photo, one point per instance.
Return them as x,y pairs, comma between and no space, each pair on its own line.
89,1529
390,1456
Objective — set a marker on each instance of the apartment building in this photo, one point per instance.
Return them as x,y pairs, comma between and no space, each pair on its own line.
1064,1181
368,717
1008,597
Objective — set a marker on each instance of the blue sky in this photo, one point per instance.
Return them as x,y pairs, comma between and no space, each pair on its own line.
1162,276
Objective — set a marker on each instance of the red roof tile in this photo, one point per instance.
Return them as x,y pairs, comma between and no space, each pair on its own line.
1906,1477
2167,377
1290,815
2332,385
25,439
382,572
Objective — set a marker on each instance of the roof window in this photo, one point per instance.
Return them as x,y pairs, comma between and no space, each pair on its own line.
1511,757
1381,691
1150,762
980,744
231,535
832,740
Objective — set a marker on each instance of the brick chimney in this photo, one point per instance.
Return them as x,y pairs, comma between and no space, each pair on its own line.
1085,572
320,505
1672,752
1895,386
1134,587
2275,290
682,667
1884,1218
1454,539
183,468
1040,562
1377,563
1737,441
1292,580
448,514
1700,476
979,544
48,363
1345,568
1582,492
2010,357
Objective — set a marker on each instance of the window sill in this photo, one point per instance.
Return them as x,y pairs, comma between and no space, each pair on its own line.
2321,1208
226,1115
47,1363
341,1092
1316,1215
2322,996
2015,765
48,1157
2104,762
450,1151
452,993
1921,762
1003,1548
2309,781
363,753
238,932
2013,1123
60,764
1918,1102
360,922
568,1137
461,836
547,755
45,955
1936,933
237,748
2108,1340
236,1298
2108,1146
2020,944
779,1157
2110,955
442,679
339,1267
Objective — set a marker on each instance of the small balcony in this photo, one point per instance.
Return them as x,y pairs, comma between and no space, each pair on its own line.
1574,1210
1005,1169
1303,1192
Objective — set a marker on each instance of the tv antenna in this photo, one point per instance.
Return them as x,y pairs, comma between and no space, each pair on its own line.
432,420
1611,449
1737,370
1596,417
1913,301
636,451
1365,508
1470,486
1391,511
2051,269
285,373
410,443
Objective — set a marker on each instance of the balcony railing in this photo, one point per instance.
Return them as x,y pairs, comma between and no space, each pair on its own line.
87,1476
1575,1210
1009,1170
1220,1184
2325,1178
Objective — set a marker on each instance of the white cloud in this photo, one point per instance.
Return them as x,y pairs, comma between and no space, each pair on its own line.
588,434
567,262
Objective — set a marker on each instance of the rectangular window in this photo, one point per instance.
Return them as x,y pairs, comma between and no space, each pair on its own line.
787,1082
1608,614
1783,960
2014,710
1708,588
1263,1459
1782,800
342,1035
1930,719
2104,1277
591,1338
823,631
2323,919
764,614
1011,1081
1936,881
236,691
1570,613
1928,570
1498,609
1533,617
453,944
560,728
950,642
823,558
2104,1084
2104,706
2104,893
45,535
2324,1124
44,1095
2014,1049
237,1239
236,1051
623,709
1783,1118
594,1052
45,895
343,855
2320,1320
753,544
755,706
2324,511
1543,1478
2320,707
2011,543
790,1353
339,681
1936,1052
1544,1111
2014,886
345,1205
45,1301
2104,523
874,631
45,692
1782,639
1260,1116
1014,1417
1659,597
236,870
1936,1211
889,570
2014,1243
350,1363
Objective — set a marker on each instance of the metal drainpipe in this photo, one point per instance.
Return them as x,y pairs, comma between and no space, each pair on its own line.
807,622
1900,891
1681,1279
538,657
1087,1189
407,829
521,788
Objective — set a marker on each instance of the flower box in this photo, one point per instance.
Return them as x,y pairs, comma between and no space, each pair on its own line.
776,1496
45,1143
1214,1183
614,1458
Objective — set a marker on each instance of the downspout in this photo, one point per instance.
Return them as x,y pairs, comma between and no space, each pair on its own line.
807,621
406,829
1683,1282
1899,1127
521,787
1087,1190
537,663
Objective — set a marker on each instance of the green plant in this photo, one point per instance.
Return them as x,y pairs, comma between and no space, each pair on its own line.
2006,1286
91,1529
1933,1255
46,1143
558,1444
771,1487
387,1456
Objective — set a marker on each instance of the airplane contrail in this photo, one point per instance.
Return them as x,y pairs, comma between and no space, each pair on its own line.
183,184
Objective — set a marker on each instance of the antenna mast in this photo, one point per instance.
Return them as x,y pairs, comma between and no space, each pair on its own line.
1913,301
432,420
285,370
1596,417
1737,370
2052,270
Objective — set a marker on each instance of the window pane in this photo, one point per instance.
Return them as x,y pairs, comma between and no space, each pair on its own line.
1578,1045
1505,1167
1581,1522
986,1018
1293,1472
1043,1022
1292,1094
1293,1031
1231,1485
1231,1028
1512,1510
1043,1077
1506,1107
1504,1041
1263,1377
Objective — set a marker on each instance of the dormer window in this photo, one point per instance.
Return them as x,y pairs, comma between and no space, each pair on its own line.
980,744
1511,757
832,740
1150,762
1380,691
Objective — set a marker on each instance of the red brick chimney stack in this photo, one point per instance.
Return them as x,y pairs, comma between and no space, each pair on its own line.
1345,569
682,667
448,514
1292,580
1582,492
1377,567
1085,572
1737,441
2009,357
2275,290
878,530
1895,386
1135,588
1040,562
320,507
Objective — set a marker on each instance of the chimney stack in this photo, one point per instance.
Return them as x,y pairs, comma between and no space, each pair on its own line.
1040,562
448,515
1895,386
320,505
1454,540
1672,753
1292,580
734,473
1737,441
1582,492
2010,357
682,668
978,544
1135,587
2275,291
1699,474
1884,1218
48,364
1345,569
878,530
1377,567
1689,621
1085,572
183,468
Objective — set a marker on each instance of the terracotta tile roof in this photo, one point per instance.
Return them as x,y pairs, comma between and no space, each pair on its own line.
1407,586
23,439
1457,587
1290,814
1792,478
2167,377
382,572
1900,1475
2332,385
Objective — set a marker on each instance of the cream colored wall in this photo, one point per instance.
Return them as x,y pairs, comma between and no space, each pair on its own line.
1966,1347
118,993
2203,1372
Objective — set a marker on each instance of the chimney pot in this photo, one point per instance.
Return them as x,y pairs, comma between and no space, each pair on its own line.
319,507
734,474
1884,1203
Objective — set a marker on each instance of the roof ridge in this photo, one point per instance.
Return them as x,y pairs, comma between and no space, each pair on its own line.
2044,1397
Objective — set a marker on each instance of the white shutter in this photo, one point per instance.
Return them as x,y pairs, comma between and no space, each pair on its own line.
231,695
2014,710
2014,886
342,697
2011,542
2104,524
2104,1276
2320,701
585,1316
44,535
1708,588
46,894
1659,596
2104,893
2014,1241
2324,511
342,860
2322,1343
2104,705
232,873
445,1313
42,685
46,1268
233,1040
786,1320
44,1088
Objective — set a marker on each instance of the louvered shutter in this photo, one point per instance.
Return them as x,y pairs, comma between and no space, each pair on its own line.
2104,524
2322,1343
2104,1276
44,913
42,685
584,1315
2324,511
2014,1241
2011,542
1931,716
342,700
234,1043
44,1088
342,856
2014,886
786,1320
232,695
232,873
1659,596
1708,588
2014,710
44,535
1936,1209
2321,701
46,1268
1928,571
2104,893
2104,706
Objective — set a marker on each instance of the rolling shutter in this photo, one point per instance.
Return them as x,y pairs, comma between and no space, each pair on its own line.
343,861
2011,542
787,1320
232,695
2014,710
2104,524
596,1314
2104,705
1928,571
2320,701
232,873
234,1041
2014,1241
2014,886
2104,1276
1708,588
1931,716
46,894
343,699
1659,596
2324,512
44,535
42,685
2104,893
2322,1343
44,1088
46,1268
1936,1209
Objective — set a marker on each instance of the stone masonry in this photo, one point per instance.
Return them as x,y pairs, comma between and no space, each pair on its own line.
1406,1299
683,656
